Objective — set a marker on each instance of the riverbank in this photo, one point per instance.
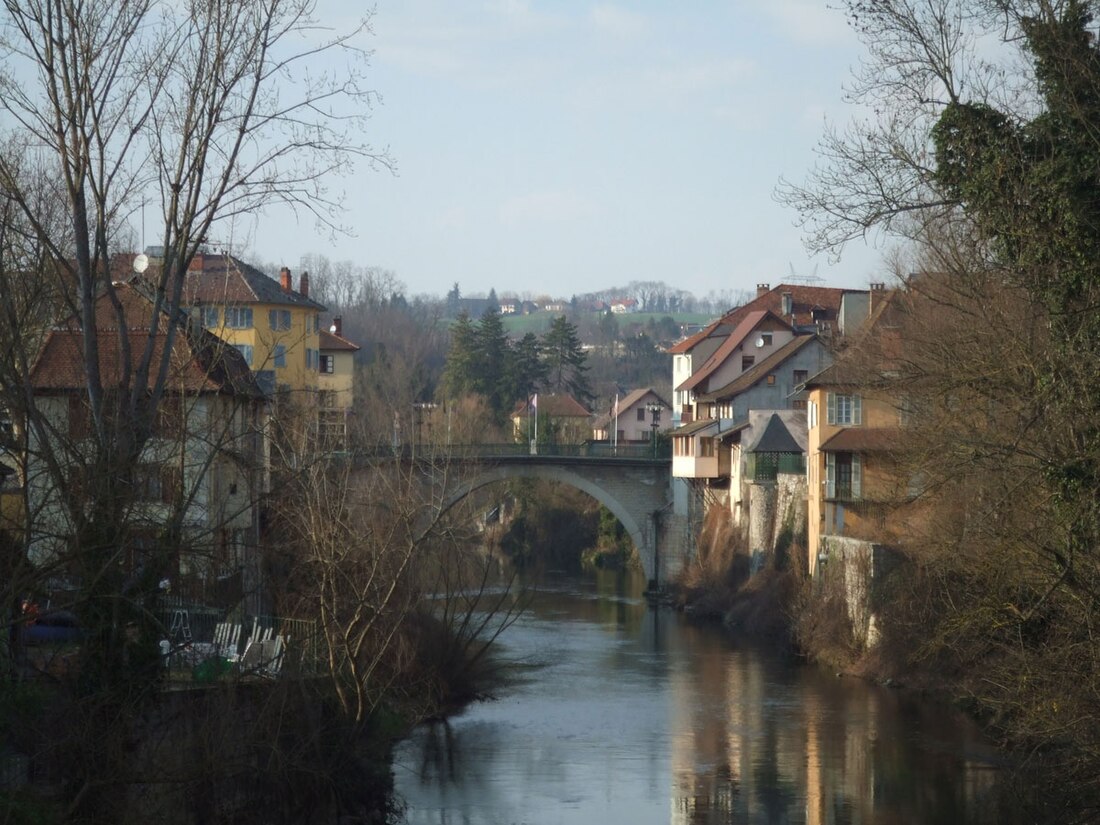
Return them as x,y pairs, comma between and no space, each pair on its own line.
780,607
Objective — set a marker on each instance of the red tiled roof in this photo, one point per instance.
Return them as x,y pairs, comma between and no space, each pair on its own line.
862,440
223,279
332,341
556,406
804,300
748,323
758,372
200,362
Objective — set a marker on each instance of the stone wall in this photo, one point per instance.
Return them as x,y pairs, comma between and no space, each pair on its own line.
773,510
860,568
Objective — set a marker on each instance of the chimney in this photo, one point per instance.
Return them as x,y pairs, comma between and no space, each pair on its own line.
788,304
874,296
763,289
303,285
284,279
338,326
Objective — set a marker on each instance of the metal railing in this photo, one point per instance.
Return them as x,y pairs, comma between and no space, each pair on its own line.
458,452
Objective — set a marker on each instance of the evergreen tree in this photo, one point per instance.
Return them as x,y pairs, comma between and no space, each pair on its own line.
566,361
493,368
459,374
494,304
529,371
454,297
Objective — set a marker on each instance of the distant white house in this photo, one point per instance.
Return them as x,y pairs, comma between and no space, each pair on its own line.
624,305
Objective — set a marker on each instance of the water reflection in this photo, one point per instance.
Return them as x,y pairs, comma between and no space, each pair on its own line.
634,715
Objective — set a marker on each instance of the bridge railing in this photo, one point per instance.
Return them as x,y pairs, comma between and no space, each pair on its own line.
592,450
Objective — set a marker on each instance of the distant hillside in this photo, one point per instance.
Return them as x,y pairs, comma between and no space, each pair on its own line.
539,322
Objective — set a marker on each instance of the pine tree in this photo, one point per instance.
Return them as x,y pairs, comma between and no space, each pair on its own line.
529,371
459,372
493,363
566,361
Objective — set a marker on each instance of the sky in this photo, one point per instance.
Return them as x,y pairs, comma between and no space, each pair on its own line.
559,147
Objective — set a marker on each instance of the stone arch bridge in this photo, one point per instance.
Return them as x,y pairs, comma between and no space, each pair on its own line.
630,481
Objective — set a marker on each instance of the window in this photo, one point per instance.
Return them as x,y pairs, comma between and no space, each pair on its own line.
317,323
312,359
641,414
747,361
771,380
811,414
153,482
843,476
707,448
800,377
328,364
844,409
328,399
765,339
279,319
80,418
210,316
280,355
798,405
238,318
245,350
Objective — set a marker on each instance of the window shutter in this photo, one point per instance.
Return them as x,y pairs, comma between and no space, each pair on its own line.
831,402
830,475
857,410
857,476
273,318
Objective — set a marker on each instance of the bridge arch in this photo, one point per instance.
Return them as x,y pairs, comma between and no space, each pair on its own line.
635,516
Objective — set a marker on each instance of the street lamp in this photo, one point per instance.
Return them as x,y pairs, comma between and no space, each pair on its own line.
420,407
655,411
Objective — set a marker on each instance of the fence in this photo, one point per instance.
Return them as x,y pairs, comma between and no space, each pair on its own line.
767,466
191,630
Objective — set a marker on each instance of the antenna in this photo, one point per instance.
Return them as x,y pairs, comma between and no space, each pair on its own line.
805,280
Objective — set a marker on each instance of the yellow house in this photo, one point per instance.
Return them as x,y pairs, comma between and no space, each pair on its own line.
275,327
336,384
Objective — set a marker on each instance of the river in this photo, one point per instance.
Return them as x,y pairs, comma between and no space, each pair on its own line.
626,714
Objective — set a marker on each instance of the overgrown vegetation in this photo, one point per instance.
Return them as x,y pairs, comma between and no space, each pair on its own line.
985,156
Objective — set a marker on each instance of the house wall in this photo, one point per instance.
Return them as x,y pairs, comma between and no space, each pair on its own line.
681,371
836,518
341,380
301,336
731,367
761,396
218,460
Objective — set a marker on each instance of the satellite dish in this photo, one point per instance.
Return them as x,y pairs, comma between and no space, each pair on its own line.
141,263
760,341
332,329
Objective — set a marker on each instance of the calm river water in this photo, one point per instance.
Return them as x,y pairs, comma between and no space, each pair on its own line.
633,715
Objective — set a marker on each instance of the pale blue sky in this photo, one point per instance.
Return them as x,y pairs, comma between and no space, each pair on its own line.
562,147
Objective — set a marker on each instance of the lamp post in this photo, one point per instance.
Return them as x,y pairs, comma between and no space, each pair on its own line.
420,407
655,411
